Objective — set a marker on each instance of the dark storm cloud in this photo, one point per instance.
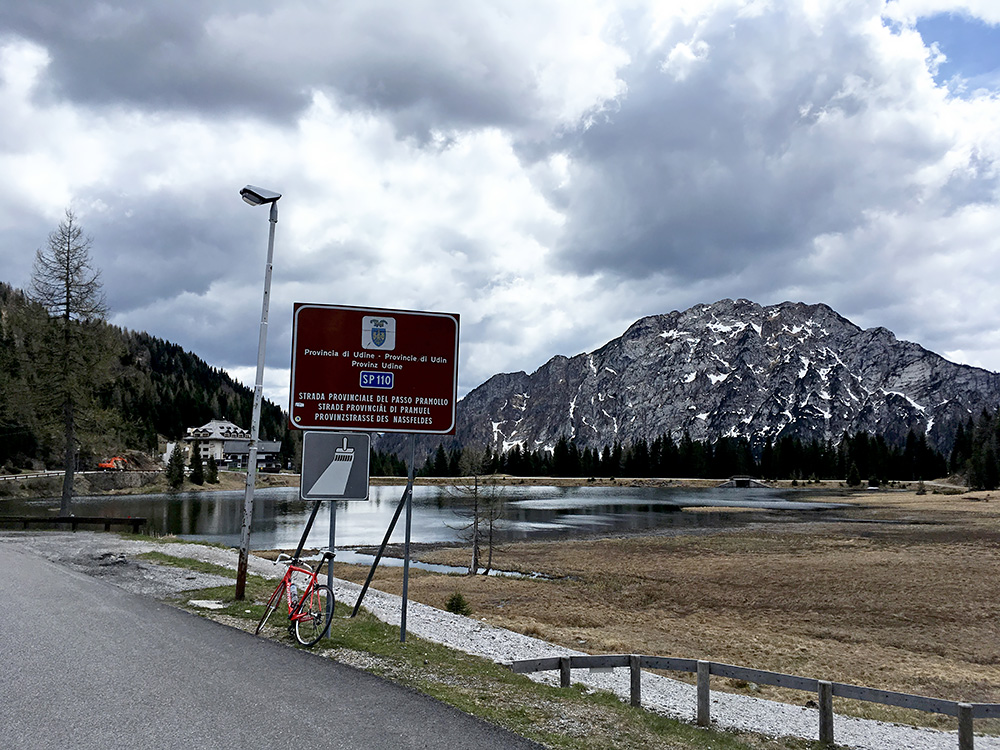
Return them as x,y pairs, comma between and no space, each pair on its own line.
155,55
766,135
552,171
267,59
155,248
187,273
18,244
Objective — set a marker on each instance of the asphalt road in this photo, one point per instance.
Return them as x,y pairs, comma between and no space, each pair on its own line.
86,664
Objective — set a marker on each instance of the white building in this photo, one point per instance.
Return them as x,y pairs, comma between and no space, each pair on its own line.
229,445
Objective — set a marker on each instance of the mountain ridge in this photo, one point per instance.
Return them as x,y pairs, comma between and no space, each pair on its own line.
732,368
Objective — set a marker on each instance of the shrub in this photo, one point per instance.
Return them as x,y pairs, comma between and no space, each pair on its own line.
457,604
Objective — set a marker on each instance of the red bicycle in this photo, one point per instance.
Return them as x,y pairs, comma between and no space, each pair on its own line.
310,603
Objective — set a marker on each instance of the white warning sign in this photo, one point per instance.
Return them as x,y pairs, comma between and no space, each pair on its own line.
335,466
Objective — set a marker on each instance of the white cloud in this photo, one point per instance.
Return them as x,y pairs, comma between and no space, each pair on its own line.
549,172
909,11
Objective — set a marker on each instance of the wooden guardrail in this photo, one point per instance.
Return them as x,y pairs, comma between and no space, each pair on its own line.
825,690
74,521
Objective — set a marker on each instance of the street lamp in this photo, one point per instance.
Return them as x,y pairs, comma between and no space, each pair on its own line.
256,196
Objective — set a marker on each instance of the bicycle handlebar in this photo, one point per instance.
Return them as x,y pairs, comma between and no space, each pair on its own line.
282,557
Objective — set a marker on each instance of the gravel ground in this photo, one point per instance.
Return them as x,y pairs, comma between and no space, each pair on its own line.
111,557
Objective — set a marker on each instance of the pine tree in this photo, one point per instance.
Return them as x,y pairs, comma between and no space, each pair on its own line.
197,474
560,457
983,466
454,462
961,450
853,476
212,471
18,428
175,468
440,465
605,465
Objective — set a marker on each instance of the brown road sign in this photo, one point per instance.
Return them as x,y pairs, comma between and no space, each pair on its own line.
373,369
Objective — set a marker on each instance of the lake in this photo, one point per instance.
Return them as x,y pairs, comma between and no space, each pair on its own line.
531,513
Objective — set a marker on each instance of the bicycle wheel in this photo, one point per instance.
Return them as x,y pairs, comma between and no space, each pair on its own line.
311,621
272,604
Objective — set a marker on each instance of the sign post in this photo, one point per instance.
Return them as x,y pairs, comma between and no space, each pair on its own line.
378,370
334,467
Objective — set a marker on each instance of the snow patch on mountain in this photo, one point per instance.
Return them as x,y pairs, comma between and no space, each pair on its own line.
807,372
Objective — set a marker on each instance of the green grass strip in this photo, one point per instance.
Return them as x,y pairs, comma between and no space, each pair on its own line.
188,563
572,718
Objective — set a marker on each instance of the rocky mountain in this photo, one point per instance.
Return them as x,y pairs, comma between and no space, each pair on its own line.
733,368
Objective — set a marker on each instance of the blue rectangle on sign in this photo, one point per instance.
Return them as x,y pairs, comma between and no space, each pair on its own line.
376,379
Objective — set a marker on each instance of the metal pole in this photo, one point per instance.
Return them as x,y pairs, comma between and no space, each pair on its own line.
381,550
258,393
307,529
330,546
406,543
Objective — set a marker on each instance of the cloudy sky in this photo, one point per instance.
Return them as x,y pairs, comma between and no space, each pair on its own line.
551,170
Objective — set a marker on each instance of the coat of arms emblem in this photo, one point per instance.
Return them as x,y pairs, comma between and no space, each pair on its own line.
378,333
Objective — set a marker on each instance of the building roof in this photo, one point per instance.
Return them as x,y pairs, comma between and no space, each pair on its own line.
217,429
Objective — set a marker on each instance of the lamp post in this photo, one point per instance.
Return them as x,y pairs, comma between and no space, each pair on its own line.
256,196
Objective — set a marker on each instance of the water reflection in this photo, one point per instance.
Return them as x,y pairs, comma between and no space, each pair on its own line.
531,512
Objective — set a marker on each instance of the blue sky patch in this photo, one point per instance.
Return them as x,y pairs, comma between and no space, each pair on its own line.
972,48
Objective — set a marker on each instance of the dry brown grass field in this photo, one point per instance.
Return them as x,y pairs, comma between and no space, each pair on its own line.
898,592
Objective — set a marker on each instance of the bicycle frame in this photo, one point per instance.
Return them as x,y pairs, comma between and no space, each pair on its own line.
301,608
286,580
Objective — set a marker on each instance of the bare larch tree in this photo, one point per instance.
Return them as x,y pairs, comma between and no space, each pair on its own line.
486,507
65,282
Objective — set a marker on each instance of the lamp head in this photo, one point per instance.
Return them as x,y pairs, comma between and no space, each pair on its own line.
256,196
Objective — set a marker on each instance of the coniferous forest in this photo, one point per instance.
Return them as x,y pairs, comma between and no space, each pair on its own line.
870,457
856,459
156,389
153,388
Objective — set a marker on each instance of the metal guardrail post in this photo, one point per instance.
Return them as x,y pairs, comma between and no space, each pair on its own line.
704,718
635,681
825,698
564,671
965,739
